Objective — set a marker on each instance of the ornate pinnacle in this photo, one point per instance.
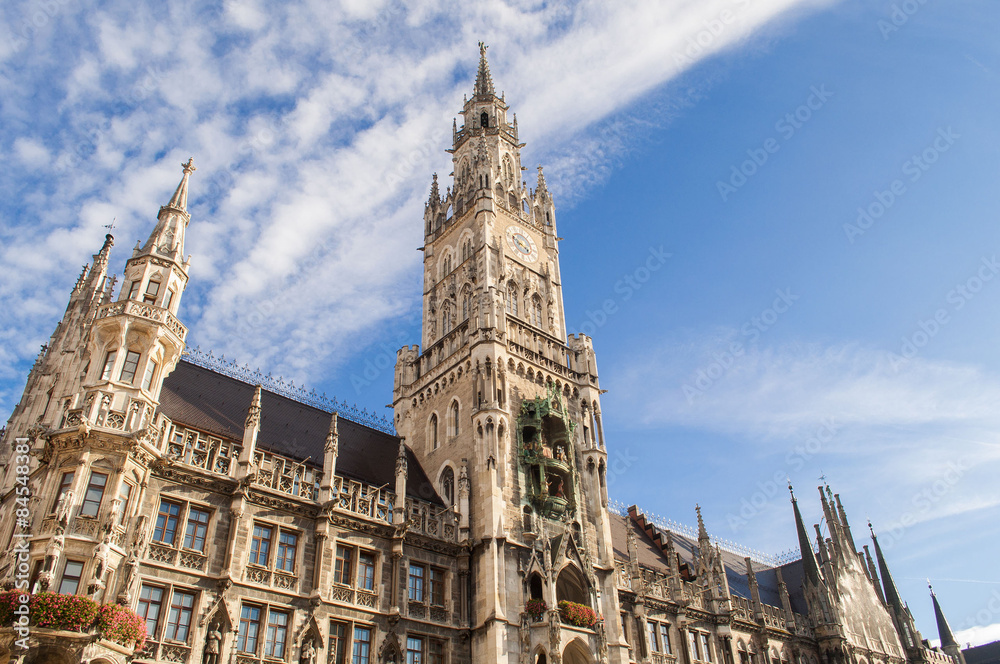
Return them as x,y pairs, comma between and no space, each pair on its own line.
180,197
435,198
702,533
332,436
253,415
541,182
401,463
484,82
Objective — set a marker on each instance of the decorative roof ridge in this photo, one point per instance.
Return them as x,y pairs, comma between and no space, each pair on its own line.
691,533
253,377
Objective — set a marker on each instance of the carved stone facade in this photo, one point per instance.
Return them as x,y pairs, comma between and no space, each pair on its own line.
248,524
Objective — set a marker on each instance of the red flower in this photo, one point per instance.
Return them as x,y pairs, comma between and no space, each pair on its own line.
77,614
579,615
536,607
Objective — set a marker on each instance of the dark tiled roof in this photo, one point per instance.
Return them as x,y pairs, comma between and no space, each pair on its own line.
215,403
984,654
651,556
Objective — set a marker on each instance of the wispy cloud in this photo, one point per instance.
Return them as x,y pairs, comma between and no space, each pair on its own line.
934,423
314,131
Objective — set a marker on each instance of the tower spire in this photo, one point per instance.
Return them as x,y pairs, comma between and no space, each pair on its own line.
892,597
702,532
484,82
808,557
180,197
167,238
944,629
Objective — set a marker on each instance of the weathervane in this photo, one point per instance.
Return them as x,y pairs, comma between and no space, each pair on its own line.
111,226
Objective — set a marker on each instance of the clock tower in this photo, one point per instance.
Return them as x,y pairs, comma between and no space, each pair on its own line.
503,408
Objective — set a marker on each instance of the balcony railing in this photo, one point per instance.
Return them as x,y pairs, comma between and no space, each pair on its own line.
144,311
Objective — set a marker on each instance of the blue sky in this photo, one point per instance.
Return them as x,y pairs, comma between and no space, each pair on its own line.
786,335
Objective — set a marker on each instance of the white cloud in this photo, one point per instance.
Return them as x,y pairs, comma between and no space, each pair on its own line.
978,635
315,130
837,409
32,153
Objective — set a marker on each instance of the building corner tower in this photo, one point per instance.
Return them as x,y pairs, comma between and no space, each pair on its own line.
88,411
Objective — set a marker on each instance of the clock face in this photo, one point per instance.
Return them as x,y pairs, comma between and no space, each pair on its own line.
522,244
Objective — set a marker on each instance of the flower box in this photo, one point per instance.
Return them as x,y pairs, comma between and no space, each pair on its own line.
578,615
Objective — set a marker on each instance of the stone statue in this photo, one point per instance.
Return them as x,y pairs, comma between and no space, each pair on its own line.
63,508
101,558
52,553
308,654
213,641
140,540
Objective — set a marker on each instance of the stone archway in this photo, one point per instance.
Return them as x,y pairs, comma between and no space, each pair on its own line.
572,586
577,652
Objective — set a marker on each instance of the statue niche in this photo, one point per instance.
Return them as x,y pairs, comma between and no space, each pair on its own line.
543,435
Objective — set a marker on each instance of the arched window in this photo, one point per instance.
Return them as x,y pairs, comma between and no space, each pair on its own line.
466,303
508,172
572,586
446,265
742,650
484,120
448,485
534,581
535,314
454,418
446,323
512,298
466,250
432,433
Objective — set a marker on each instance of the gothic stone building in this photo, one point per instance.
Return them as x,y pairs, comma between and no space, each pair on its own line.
250,523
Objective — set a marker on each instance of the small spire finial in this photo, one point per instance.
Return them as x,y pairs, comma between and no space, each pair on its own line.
180,197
